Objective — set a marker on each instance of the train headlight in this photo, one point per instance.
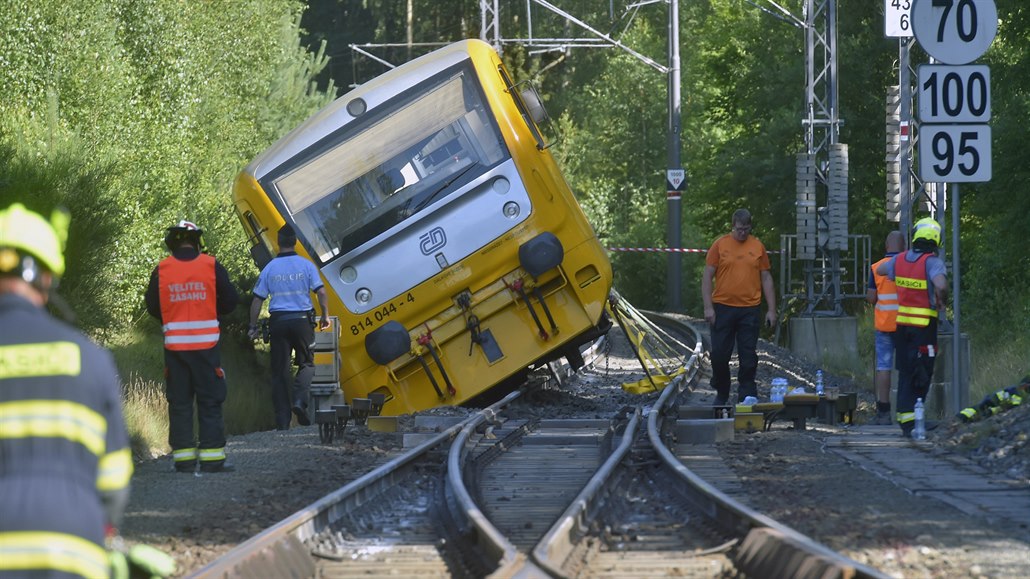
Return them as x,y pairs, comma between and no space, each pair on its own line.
348,274
511,210
363,295
357,107
501,186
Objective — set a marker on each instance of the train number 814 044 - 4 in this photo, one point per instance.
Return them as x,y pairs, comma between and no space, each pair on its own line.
379,316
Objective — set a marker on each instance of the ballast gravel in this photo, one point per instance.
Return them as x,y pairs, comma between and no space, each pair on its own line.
197,518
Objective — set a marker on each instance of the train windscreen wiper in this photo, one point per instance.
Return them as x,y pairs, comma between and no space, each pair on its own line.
450,180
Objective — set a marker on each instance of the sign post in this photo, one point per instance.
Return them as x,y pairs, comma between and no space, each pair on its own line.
954,107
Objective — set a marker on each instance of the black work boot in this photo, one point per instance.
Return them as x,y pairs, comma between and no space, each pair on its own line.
301,412
186,466
217,466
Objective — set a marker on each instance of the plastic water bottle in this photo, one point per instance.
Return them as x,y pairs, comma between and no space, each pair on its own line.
919,432
779,389
819,382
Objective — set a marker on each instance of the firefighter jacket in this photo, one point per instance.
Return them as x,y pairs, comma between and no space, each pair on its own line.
913,291
886,309
188,291
65,461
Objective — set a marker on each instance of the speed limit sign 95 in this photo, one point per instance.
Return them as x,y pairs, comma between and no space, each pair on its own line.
955,153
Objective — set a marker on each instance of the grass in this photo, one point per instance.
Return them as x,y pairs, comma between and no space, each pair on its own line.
995,363
140,359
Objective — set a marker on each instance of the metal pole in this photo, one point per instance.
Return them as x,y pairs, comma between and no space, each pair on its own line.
960,390
904,151
673,273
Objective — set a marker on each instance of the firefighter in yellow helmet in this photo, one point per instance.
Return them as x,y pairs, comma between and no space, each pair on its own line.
65,461
920,277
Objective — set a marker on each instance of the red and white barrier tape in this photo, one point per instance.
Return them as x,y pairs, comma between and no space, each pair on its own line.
658,249
665,250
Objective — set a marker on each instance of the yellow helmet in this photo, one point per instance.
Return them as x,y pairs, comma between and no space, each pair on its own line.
27,232
927,228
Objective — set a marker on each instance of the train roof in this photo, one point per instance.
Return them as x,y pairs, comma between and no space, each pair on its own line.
374,92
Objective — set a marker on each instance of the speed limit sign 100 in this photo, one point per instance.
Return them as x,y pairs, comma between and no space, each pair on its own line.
955,153
955,31
954,94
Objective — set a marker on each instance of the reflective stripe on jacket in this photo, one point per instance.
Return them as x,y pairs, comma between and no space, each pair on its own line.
41,551
188,302
913,291
886,310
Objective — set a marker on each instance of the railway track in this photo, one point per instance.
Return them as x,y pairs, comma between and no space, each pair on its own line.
510,492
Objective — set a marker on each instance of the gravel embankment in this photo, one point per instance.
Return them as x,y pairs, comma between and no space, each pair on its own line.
197,518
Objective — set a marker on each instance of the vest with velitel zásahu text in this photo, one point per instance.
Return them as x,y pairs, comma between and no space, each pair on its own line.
188,302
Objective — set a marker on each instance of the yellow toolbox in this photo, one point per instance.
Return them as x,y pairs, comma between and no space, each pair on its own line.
749,421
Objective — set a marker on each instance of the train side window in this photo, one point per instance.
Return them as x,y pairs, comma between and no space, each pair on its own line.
259,252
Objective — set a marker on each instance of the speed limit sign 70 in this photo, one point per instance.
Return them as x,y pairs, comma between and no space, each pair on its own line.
955,153
955,31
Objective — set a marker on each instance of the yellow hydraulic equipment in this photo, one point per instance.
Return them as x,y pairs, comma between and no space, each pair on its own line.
661,356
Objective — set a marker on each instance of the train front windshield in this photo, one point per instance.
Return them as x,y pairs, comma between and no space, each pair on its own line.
407,155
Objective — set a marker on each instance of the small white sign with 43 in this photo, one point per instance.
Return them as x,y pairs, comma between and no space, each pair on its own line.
897,18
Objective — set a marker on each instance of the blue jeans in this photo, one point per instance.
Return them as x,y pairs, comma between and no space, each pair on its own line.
884,351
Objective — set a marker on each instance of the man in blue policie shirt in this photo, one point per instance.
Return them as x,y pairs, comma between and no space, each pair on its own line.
289,280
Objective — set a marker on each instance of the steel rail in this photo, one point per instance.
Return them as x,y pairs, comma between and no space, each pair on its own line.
772,547
278,550
560,539
487,537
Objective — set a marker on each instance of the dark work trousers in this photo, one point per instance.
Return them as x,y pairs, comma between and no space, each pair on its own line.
290,335
915,368
735,325
195,375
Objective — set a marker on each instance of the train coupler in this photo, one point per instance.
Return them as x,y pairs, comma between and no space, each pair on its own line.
426,340
518,286
547,311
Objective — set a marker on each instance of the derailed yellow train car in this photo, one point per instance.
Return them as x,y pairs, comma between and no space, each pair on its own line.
453,251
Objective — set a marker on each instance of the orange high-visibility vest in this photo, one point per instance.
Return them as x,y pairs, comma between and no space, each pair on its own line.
913,293
886,310
188,303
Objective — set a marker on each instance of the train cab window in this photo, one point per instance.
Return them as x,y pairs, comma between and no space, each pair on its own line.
402,158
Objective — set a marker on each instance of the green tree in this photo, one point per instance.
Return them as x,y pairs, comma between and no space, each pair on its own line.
154,105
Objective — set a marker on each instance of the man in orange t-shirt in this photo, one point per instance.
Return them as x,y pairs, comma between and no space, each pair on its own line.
739,264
